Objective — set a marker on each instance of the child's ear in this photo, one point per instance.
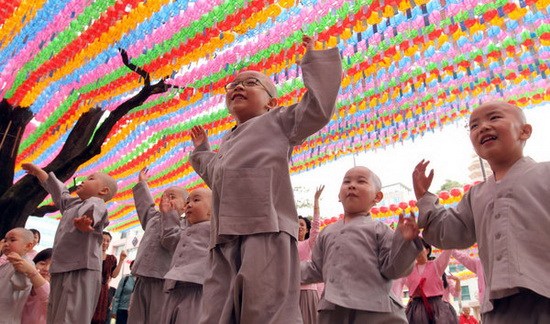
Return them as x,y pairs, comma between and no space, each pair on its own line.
29,246
526,131
272,103
378,197
104,191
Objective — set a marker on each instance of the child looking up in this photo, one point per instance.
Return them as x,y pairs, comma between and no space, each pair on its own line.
189,264
76,260
153,257
15,286
508,215
254,257
357,257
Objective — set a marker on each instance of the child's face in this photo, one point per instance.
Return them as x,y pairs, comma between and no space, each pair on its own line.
251,98
15,242
358,192
90,187
302,230
177,196
199,206
44,268
498,131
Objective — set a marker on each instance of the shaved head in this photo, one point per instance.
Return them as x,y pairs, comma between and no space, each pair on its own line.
182,193
517,111
264,79
368,173
26,235
108,182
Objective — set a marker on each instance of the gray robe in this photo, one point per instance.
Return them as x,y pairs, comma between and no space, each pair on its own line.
152,260
254,222
509,219
76,257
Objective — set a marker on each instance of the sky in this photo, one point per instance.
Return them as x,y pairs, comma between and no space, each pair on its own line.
448,149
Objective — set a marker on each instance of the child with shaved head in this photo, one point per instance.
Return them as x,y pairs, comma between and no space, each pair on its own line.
254,254
76,259
154,253
15,286
189,264
508,215
358,257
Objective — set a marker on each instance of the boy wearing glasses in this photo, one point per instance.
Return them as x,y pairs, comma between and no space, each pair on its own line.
254,259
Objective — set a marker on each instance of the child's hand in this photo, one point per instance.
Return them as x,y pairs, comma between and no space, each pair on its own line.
20,264
83,224
166,206
198,135
421,182
122,256
143,174
319,191
308,42
35,170
408,227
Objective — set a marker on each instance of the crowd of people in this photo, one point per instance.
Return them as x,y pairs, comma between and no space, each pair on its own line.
237,252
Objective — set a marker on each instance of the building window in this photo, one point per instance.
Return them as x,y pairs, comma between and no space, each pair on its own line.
465,293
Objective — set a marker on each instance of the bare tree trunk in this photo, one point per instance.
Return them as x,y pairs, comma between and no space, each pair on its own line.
20,200
12,124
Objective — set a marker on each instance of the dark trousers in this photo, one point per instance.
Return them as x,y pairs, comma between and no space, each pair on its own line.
121,316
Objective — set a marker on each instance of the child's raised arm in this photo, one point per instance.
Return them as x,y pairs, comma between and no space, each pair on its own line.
421,182
143,174
170,225
143,200
36,171
316,223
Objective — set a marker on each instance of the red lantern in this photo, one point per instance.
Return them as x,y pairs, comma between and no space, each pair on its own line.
393,207
384,209
403,205
444,195
374,210
455,192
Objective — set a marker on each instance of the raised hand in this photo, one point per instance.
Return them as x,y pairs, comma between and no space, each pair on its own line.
198,136
83,224
319,191
144,174
408,227
166,205
35,170
123,255
308,42
421,182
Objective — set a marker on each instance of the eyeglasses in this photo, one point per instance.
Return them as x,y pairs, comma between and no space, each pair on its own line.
247,83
